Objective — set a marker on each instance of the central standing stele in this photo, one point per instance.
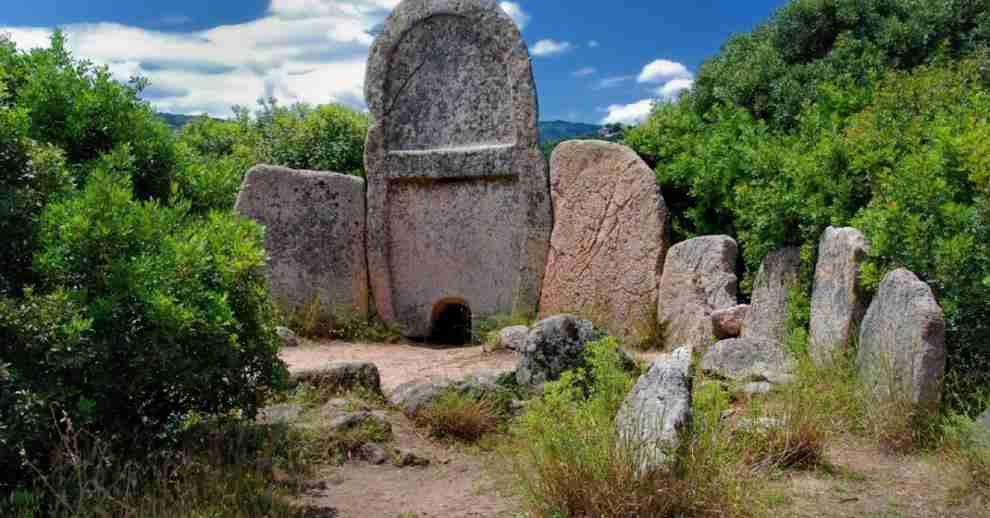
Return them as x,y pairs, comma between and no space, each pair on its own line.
459,209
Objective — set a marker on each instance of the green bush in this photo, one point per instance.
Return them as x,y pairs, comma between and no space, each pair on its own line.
326,138
148,318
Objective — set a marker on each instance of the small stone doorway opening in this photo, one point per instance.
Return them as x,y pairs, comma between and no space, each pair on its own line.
451,323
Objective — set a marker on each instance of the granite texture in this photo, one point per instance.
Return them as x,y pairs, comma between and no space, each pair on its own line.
728,323
609,237
699,277
767,316
554,345
837,302
314,236
458,196
748,359
902,342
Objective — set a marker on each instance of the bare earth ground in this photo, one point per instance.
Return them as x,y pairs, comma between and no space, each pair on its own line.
863,483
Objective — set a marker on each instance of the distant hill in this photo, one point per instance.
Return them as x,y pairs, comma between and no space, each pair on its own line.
550,131
560,130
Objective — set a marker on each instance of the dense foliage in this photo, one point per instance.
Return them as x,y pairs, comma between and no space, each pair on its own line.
872,114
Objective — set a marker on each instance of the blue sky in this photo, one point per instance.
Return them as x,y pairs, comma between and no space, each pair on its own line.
594,61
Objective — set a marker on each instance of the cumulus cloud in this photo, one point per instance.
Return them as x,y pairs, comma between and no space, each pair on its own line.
514,10
663,71
583,72
612,82
544,48
310,51
673,89
630,114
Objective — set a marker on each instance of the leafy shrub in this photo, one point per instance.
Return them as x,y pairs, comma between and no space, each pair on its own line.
325,138
147,318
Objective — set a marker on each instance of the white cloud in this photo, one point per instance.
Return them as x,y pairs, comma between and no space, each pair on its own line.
593,44
634,113
310,51
583,72
663,71
612,82
514,10
545,48
673,89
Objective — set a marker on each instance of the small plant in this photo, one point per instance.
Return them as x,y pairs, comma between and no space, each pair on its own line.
463,417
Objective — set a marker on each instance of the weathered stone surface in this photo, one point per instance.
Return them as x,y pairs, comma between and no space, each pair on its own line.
314,236
287,337
342,376
767,317
414,396
280,414
837,303
983,429
553,346
347,421
698,278
458,199
658,410
609,237
513,338
748,359
728,323
902,341
757,387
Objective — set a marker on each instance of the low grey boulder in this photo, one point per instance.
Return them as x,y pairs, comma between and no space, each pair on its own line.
513,338
757,387
728,323
347,421
287,337
415,396
553,346
657,411
902,342
342,376
747,359
280,414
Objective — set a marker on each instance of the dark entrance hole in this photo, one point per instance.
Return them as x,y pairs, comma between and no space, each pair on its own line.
451,323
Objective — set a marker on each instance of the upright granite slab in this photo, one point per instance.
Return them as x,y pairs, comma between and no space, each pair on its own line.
314,236
458,194
767,316
699,277
837,303
609,237
902,342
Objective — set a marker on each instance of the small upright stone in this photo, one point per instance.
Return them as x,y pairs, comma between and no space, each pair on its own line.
699,278
767,317
609,237
553,346
837,303
657,411
902,342
314,236
458,200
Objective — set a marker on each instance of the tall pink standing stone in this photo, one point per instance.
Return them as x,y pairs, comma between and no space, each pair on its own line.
609,237
458,201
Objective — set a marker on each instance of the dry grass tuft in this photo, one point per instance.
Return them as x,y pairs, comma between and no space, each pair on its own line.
461,417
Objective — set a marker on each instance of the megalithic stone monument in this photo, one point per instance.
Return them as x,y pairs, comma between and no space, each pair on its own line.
458,194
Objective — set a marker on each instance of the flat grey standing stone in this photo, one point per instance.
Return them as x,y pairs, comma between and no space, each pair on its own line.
314,236
837,303
342,376
699,278
767,316
902,342
458,197
728,323
609,237
658,410
746,359
554,345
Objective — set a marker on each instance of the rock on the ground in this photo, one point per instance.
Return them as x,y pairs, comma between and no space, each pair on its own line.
374,454
837,302
699,278
415,396
342,376
458,192
902,342
512,338
554,345
609,237
767,316
747,359
314,237
658,410
728,323
405,458
287,337
757,387
280,414
347,421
